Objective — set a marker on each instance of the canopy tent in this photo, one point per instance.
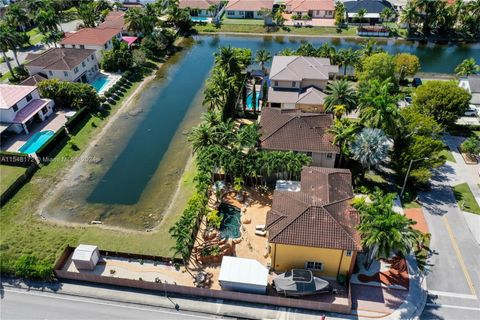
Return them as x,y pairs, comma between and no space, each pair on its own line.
129,40
86,257
245,275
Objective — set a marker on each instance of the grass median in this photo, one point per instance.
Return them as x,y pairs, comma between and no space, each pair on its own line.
465,198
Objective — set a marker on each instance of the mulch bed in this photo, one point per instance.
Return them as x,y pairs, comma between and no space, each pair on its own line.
397,275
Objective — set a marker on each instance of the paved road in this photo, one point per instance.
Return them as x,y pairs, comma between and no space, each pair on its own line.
20,304
454,278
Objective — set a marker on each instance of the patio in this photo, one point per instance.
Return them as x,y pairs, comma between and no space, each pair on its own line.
314,22
12,141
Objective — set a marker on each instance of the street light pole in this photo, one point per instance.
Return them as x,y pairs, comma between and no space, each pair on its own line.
408,172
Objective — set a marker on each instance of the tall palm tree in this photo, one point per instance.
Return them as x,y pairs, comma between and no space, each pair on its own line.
17,16
361,14
7,41
47,21
201,137
370,147
387,14
227,59
344,132
409,15
286,52
262,56
326,50
52,37
88,14
212,98
134,20
340,92
345,58
467,67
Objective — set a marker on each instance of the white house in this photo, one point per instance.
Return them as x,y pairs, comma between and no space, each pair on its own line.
248,9
313,8
20,106
97,39
200,8
472,85
74,65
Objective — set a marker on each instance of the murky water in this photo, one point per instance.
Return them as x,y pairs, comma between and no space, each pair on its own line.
144,151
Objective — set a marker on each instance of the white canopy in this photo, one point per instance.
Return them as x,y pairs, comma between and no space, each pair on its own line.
245,271
288,185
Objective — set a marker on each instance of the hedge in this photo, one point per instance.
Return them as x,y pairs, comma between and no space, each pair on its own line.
76,119
17,159
52,143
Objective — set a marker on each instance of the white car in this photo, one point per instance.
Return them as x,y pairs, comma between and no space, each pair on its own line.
471,112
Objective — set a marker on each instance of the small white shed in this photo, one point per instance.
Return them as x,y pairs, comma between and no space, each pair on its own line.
85,257
244,275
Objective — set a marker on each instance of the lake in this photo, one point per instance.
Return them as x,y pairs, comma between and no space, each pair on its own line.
144,151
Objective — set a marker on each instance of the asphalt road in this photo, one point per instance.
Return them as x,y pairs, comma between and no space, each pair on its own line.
21,304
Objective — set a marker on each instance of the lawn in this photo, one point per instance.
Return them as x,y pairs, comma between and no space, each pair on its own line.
260,29
23,232
226,20
466,200
448,154
8,175
35,36
5,76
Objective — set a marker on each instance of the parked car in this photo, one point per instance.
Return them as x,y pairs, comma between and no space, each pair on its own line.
300,282
416,82
408,100
471,112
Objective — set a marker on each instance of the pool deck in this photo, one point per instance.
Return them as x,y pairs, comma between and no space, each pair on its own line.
111,77
15,141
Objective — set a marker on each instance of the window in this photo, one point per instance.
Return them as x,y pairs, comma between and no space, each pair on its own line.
312,265
73,46
329,156
276,83
294,84
44,110
83,64
65,73
15,107
318,12
28,97
50,73
63,46
309,154
75,70
231,13
241,13
348,253
92,57
106,45
82,46
329,13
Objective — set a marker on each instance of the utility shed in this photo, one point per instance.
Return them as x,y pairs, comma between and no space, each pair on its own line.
85,257
244,275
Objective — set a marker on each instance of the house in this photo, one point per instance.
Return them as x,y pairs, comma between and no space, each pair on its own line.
20,106
472,85
248,9
313,8
371,8
33,80
97,39
315,227
74,65
201,8
113,20
298,82
293,130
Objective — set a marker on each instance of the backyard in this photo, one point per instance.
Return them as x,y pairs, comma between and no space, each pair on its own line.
9,174
259,28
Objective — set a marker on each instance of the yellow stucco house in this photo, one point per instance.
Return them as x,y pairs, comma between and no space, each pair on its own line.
313,226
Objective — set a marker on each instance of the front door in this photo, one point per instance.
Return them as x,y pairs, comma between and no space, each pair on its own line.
248,14
84,78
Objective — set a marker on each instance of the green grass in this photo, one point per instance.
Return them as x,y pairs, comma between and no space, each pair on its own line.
411,205
23,232
260,29
466,200
448,154
5,76
35,36
226,20
8,175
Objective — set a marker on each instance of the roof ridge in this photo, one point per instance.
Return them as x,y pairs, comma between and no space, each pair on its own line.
276,130
336,221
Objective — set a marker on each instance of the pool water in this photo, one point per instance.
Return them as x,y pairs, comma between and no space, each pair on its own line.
250,102
36,141
200,19
100,83
230,227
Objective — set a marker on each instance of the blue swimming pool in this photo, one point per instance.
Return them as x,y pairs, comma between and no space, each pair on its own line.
36,141
230,227
250,102
200,19
100,83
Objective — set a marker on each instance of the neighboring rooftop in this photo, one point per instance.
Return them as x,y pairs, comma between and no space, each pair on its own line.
11,94
474,83
310,95
249,5
372,6
114,19
33,80
319,215
198,4
296,131
298,68
59,58
90,36
307,5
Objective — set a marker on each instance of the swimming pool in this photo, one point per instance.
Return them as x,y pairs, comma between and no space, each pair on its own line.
201,19
250,102
100,83
36,141
230,227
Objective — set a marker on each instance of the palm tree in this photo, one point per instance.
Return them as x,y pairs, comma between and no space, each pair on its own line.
344,132
134,20
88,14
52,37
227,59
409,15
370,147
47,21
326,50
383,231
286,52
213,99
378,108
262,57
340,92
345,58
361,14
17,16
467,67
201,137
387,14
7,41
307,50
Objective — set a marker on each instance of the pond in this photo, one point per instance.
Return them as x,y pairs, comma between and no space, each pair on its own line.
144,150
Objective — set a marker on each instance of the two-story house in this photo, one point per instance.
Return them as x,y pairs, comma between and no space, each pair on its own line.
97,39
298,82
316,9
74,65
248,9
20,106
293,130
200,8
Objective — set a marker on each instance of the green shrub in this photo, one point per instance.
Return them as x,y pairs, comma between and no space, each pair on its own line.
29,267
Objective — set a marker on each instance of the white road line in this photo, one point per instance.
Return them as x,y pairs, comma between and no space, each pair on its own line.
453,295
451,306
103,303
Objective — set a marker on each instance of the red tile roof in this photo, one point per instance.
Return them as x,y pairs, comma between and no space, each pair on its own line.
91,36
309,5
114,19
319,215
249,5
198,4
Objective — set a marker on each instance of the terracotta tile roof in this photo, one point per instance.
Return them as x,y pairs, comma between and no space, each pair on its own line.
33,80
296,131
249,5
309,5
319,215
91,36
114,19
11,94
59,58
198,4
298,68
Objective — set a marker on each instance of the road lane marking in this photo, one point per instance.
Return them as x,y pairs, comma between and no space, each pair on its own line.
106,304
459,255
451,306
453,295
